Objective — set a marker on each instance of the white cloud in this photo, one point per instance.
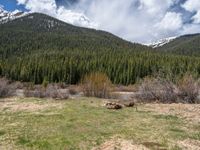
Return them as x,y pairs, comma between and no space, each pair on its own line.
155,7
21,2
191,29
196,17
171,22
193,6
74,18
135,20
49,7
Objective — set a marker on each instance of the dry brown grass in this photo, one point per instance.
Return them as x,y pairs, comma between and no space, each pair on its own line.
189,144
14,105
190,112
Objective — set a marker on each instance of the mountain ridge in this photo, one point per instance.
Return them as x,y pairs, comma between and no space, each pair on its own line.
38,47
188,44
36,26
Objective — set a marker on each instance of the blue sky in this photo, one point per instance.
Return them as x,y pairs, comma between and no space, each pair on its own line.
142,21
11,5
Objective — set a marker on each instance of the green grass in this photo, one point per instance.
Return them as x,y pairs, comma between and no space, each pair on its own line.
85,123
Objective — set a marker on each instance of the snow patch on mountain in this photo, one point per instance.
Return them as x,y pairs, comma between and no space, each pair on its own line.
161,42
6,16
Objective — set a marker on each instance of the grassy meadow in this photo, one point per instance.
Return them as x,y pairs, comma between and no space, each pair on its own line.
84,123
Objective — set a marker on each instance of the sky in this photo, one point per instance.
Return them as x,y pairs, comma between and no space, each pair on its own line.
142,21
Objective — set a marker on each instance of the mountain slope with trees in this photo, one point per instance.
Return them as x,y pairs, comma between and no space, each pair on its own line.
38,48
183,45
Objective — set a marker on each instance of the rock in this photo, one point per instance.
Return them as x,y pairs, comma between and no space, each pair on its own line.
113,105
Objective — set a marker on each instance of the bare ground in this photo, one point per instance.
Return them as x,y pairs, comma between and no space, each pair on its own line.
189,144
120,144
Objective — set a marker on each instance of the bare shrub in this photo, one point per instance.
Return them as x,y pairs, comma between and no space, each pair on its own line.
51,91
188,89
157,89
129,88
96,85
35,91
73,90
6,89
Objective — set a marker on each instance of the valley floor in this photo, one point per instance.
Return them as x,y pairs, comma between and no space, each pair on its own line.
84,123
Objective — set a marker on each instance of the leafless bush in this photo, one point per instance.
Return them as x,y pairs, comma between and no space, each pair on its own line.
6,88
188,89
157,89
51,91
97,85
35,91
73,90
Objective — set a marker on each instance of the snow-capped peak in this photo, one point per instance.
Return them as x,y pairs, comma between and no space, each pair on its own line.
161,42
6,16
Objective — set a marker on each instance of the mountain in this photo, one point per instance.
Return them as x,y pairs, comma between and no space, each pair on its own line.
38,31
184,45
37,47
161,42
6,16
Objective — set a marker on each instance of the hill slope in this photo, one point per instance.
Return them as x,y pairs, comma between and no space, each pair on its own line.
38,31
37,47
184,45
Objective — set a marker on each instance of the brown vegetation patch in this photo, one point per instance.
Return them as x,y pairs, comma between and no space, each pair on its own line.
189,144
153,145
121,144
14,105
190,112
96,85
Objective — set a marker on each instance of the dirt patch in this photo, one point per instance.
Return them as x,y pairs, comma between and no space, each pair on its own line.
191,112
120,144
14,105
189,144
153,145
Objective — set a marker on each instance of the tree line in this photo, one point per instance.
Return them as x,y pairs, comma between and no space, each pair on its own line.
122,67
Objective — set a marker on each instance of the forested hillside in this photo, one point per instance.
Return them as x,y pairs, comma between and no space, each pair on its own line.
38,47
184,45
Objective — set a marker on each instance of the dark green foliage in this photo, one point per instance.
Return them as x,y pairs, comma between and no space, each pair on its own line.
38,47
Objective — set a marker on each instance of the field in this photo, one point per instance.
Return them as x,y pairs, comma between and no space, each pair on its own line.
84,123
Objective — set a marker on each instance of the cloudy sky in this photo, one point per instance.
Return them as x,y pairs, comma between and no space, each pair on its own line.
142,21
